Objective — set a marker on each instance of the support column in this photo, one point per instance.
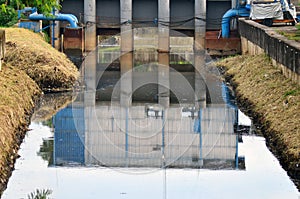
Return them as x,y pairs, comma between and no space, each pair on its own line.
199,52
200,24
90,22
126,59
163,53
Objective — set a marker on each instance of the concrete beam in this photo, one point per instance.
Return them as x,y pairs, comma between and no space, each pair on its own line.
90,22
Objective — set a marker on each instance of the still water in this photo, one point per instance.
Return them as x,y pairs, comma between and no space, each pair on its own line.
145,124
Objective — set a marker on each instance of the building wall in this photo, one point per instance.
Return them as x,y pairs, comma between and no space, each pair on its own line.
145,10
72,7
108,12
215,11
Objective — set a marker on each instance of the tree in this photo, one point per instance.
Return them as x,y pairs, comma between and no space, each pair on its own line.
8,13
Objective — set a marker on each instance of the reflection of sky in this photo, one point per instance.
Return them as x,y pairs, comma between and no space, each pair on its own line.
263,178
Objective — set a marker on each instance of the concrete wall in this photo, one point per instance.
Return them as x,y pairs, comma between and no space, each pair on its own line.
72,7
108,12
141,14
215,12
285,54
182,10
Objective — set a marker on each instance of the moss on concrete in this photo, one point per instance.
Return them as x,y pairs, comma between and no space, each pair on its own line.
273,101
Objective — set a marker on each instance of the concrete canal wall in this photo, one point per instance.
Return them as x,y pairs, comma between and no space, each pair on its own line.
284,53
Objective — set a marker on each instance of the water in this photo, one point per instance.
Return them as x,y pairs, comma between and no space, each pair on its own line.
262,178
146,125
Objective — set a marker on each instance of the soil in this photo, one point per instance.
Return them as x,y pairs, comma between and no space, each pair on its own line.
273,102
30,67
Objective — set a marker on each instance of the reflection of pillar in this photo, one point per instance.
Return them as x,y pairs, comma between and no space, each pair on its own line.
89,102
163,80
200,84
163,56
90,22
126,63
90,79
200,24
126,60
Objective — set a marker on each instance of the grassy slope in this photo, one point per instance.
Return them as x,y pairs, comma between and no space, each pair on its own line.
273,101
50,69
31,65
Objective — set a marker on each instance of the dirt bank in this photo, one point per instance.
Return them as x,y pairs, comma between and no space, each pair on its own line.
273,102
31,66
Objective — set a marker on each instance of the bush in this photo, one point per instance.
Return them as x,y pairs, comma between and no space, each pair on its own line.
8,16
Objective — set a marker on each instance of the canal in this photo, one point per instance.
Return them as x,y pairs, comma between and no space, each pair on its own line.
146,124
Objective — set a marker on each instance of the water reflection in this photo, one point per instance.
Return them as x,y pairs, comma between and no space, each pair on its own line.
140,111
147,109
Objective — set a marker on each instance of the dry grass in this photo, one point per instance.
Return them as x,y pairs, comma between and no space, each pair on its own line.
30,65
28,51
17,97
275,103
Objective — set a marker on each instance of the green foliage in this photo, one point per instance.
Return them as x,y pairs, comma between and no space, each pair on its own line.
43,6
40,194
8,13
8,16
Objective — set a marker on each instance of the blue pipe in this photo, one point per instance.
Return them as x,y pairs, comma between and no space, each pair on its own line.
58,17
242,12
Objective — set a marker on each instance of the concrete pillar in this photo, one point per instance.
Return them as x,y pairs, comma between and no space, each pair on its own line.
163,31
163,53
199,52
90,22
126,25
55,35
200,24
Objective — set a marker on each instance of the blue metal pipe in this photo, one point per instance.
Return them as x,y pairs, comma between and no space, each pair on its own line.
58,17
242,12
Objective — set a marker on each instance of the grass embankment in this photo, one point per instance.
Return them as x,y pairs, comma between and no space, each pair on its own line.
50,69
31,66
273,101
293,34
